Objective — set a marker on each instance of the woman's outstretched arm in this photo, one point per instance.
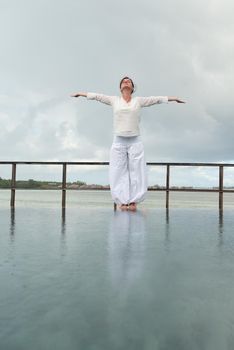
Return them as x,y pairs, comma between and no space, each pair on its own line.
93,96
151,100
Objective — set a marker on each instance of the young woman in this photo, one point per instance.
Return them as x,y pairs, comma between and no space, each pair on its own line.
128,180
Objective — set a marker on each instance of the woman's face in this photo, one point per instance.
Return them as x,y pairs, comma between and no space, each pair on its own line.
126,84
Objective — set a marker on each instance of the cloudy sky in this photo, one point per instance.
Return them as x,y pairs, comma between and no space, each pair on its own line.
50,49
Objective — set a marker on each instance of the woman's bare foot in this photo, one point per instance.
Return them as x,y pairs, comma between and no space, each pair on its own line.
132,206
123,207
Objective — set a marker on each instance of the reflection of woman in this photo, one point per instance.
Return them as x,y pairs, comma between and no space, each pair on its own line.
128,181
126,247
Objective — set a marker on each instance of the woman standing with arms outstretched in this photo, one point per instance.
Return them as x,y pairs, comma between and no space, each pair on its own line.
127,172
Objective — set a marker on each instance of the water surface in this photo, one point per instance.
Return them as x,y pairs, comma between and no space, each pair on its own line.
91,278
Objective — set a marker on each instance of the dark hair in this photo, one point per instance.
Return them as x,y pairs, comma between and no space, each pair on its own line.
133,87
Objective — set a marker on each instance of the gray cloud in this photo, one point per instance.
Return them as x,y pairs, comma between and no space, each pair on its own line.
50,49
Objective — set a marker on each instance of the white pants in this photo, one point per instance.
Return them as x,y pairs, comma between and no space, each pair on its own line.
127,171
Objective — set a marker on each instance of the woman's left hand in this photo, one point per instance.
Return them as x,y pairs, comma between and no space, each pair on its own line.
178,100
175,99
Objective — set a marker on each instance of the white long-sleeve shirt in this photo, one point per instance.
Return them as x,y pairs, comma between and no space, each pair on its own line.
127,114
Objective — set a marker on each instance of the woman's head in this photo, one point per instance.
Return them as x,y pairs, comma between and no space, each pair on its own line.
126,83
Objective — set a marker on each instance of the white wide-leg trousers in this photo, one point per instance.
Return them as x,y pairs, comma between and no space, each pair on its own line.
127,173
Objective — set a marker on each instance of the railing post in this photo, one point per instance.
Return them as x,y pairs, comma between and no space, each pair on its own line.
13,184
64,182
221,187
167,186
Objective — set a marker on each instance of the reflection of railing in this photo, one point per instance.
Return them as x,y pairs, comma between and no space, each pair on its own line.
167,187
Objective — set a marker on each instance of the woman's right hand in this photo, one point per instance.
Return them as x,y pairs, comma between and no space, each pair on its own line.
78,94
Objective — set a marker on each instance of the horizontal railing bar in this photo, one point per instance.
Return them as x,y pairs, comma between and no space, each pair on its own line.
55,163
107,163
190,190
193,164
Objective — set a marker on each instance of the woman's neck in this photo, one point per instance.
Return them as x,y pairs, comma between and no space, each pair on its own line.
126,96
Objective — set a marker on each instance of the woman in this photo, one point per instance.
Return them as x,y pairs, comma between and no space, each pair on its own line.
128,181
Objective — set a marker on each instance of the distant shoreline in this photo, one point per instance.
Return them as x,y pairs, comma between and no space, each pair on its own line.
81,185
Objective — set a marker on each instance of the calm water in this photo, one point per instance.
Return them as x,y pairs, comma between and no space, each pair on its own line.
101,199
89,278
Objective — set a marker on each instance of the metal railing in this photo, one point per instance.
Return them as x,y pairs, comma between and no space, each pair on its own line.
220,189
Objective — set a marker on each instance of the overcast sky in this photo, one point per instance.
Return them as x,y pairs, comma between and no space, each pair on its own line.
50,49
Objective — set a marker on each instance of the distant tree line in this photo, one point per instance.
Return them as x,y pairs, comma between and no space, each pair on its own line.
34,184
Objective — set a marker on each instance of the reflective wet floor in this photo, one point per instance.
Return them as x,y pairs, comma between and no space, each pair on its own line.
97,279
